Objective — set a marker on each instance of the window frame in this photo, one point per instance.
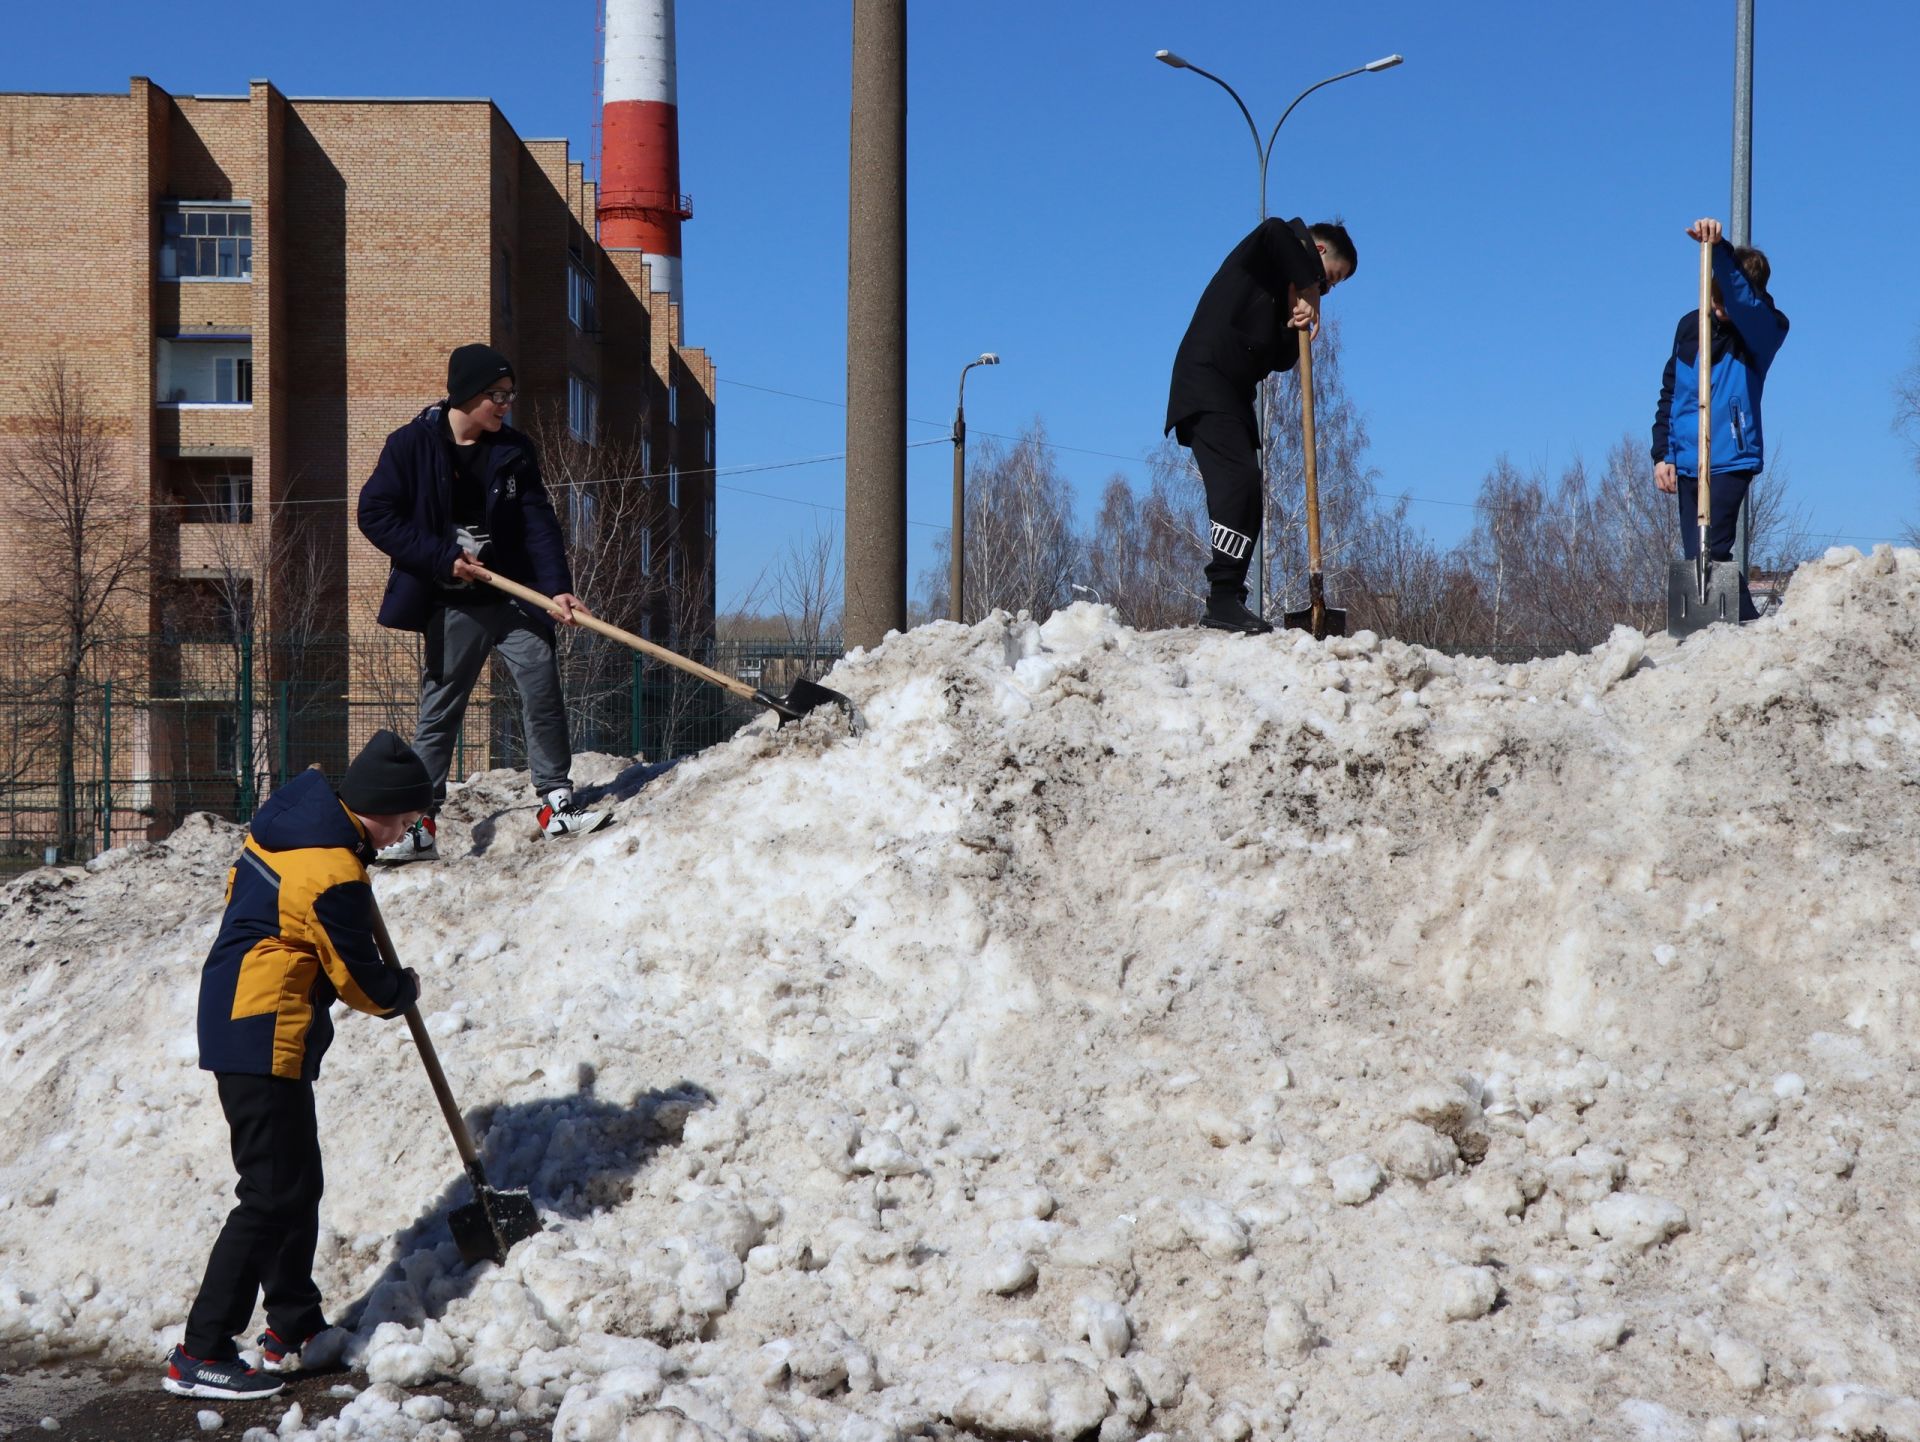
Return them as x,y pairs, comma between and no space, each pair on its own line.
583,409
227,210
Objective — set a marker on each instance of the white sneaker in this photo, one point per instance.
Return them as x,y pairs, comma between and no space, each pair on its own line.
562,817
418,843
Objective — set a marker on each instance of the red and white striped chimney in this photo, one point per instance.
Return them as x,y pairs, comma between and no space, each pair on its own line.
641,206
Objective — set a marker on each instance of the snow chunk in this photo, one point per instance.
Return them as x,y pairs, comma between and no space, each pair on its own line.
1638,1222
1468,1292
1355,1178
1039,1402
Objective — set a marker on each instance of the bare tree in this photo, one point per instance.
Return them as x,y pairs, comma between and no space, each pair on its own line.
85,525
1404,586
264,599
807,588
1147,554
1021,550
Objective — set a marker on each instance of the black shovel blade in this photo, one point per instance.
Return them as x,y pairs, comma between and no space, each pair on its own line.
1687,610
1322,621
485,1230
804,697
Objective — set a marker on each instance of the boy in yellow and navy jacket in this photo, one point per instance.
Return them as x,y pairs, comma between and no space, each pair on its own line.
297,934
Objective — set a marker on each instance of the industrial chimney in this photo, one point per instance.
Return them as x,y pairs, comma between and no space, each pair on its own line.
641,206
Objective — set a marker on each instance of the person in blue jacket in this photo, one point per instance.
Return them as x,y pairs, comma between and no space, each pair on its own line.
1748,330
297,935
454,486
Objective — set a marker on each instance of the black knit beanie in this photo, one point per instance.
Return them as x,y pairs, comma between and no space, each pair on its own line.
386,779
472,369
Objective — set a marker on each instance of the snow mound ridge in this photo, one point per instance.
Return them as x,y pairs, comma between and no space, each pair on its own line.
1128,1033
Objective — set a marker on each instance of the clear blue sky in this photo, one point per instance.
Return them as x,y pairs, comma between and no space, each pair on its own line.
1517,190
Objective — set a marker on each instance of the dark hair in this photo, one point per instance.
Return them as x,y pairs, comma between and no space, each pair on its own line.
1338,242
1753,264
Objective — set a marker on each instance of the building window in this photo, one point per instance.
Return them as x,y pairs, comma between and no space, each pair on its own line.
646,550
709,516
673,486
581,505
706,442
673,405
206,242
204,372
226,747
646,457
506,287
583,409
673,566
222,498
582,305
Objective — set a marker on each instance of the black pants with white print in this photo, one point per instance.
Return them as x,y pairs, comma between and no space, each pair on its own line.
1226,448
268,1240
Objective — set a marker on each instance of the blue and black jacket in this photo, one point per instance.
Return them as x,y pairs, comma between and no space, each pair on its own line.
297,933
1744,346
406,509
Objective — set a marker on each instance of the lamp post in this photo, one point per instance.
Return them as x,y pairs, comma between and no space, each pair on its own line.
958,575
1262,155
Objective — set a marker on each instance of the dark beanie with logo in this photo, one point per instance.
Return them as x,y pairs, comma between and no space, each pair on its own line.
472,369
386,778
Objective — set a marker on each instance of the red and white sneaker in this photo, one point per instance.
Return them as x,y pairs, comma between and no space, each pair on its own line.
562,816
419,842
322,1349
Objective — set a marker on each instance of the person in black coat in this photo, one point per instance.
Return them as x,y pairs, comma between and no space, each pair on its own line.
454,487
1244,329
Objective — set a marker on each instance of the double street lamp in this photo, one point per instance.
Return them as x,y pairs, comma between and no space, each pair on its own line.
1262,154
957,576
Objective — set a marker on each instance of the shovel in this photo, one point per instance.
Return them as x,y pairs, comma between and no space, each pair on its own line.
1319,618
488,1226
804,696
1701,592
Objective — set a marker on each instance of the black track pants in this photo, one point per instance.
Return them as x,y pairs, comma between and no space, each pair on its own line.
268,1240
1226,448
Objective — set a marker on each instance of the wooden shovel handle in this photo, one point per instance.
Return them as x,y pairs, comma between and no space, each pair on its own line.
1308,452
626,638
1703,367
457,1124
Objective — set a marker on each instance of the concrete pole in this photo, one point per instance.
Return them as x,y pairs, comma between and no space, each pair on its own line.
1740,214
876,545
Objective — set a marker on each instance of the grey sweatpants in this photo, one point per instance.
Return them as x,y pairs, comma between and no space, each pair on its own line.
459,637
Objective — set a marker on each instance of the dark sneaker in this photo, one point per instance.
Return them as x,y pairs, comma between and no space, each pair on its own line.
420,843
563,816
318,1349
1230,613
232,1379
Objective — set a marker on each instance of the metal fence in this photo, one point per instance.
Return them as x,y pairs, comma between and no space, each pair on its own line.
154,728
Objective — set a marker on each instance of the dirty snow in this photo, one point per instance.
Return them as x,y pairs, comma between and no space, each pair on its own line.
1127,1034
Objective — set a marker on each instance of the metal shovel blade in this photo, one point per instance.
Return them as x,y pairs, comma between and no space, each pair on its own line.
1322,621
804,697
486,1229
1692,606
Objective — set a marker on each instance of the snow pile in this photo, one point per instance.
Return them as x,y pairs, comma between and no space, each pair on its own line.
1127,1034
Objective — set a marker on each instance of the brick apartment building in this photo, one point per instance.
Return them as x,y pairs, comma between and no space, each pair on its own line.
256,290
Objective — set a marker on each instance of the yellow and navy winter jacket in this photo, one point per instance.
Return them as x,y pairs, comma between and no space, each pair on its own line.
298,932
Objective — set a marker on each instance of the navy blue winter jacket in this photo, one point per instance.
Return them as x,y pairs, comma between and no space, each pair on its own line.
406,509
1744,346
297,933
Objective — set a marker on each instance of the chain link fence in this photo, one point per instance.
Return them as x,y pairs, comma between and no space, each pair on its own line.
145,730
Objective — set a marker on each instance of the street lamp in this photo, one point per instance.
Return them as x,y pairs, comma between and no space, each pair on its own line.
1263,154
957,575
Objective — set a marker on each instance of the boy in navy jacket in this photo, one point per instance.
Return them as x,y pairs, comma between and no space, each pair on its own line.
297,935
1748,331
